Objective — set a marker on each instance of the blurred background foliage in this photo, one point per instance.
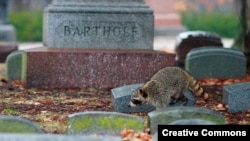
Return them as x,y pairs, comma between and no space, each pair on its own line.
218,16
224,24
28,25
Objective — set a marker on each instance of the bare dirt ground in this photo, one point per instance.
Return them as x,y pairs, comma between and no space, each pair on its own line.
50,108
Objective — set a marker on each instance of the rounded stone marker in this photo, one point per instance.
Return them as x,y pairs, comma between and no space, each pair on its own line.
168,115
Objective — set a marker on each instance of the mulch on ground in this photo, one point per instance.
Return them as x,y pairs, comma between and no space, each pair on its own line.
50,108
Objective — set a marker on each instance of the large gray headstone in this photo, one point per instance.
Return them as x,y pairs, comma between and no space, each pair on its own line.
237,97
109,24
172,114
121,96
103,123
14,124
207,62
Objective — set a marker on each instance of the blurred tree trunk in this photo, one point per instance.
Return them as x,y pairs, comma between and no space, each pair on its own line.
241,10
242,42
246,34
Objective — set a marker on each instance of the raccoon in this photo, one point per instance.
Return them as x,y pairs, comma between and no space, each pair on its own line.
166,86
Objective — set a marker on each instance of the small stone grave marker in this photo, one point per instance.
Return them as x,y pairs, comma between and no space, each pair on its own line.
189,40
171,114
14,124
103,123
16,65
207,62
121,96
8,33
155,136
56,137
192,122
237,97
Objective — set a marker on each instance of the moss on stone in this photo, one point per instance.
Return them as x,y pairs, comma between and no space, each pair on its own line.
24,66
81,123
17,127
16,66
104,123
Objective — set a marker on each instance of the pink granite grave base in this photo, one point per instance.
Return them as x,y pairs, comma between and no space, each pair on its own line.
100,68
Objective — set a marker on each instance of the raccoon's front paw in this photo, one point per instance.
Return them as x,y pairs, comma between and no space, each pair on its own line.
181,99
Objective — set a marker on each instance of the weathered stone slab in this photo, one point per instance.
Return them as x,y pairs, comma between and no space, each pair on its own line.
56,137
192,122
6,49
121,96
103,123
16,65
207,62
189,40
171,114
155,136
13,124
237,97
81,68
109,24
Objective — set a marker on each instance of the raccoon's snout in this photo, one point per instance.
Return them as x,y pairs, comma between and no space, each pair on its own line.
131,104
136,102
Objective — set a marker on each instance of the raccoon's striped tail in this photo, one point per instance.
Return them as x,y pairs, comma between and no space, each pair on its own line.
195,87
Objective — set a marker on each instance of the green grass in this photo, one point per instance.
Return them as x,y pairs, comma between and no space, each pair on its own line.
10,111
28,25
223,24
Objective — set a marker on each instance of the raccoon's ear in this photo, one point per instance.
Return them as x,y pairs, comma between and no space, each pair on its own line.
144,95
153,83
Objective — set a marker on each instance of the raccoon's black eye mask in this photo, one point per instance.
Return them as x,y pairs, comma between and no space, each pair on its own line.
137,102
144,95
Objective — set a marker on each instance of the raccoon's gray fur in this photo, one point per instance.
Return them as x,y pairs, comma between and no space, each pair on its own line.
168,84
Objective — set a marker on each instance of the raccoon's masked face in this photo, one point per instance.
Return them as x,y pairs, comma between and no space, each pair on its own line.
138,97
